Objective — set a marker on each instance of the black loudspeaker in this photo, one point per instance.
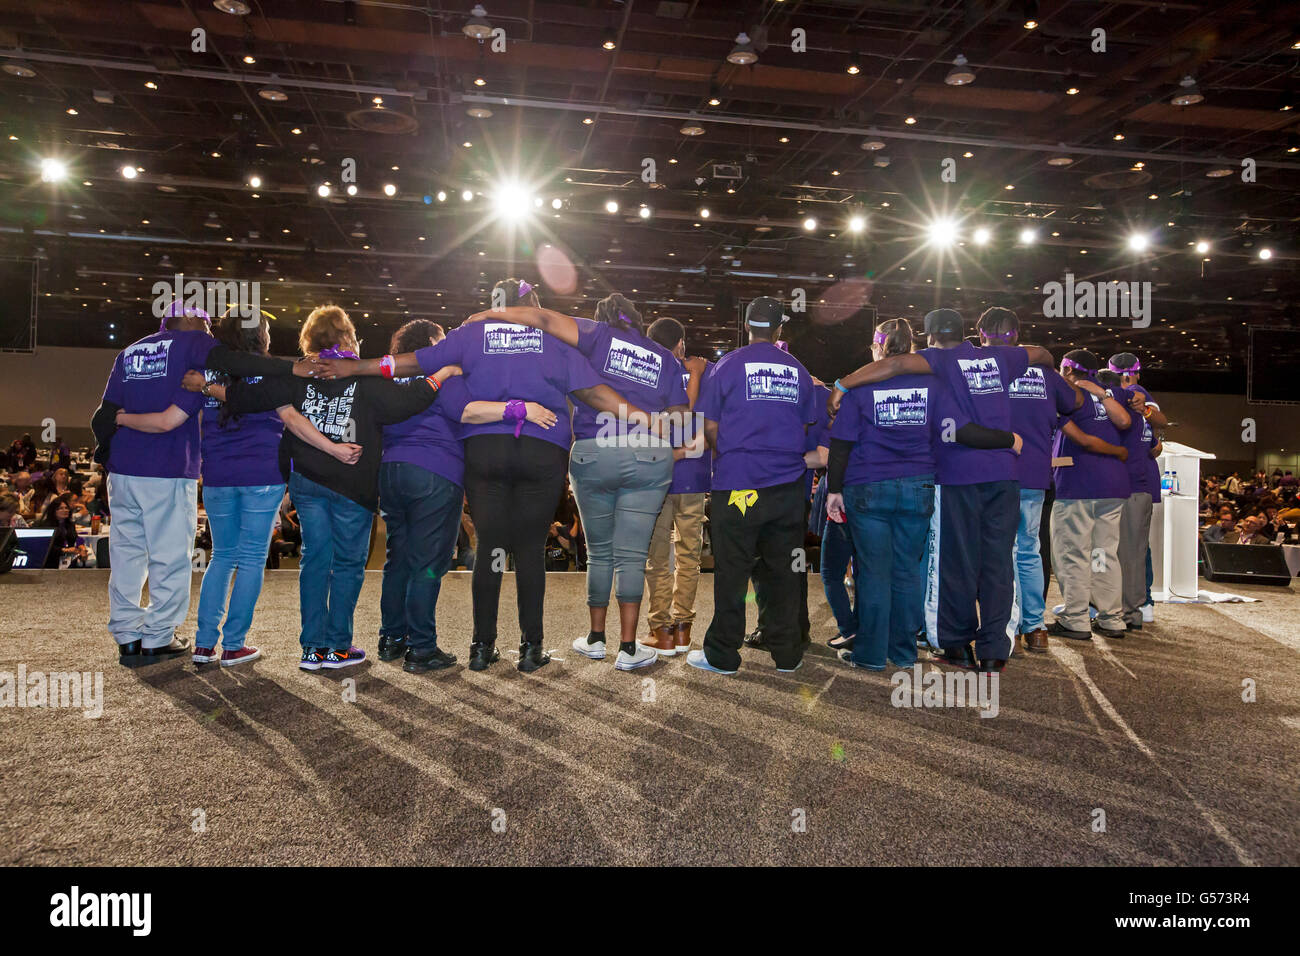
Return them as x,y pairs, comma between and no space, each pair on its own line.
1245,563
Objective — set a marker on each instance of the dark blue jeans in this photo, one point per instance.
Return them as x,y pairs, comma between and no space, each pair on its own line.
889,521
335,542
837,552
421,512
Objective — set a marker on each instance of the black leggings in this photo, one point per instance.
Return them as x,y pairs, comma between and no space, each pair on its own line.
513,486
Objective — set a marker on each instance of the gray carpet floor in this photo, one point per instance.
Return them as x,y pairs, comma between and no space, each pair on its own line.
1140,751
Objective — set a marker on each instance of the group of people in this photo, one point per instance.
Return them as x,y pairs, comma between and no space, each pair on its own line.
931,467
60,499
1257,510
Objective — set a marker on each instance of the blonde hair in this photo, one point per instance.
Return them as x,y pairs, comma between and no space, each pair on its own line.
328,325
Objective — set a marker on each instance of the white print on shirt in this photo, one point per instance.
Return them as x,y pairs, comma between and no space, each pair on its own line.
686,379
331,416
145,360
902,406
1098,409
506,338
634,363
1030,385
982,375
769,381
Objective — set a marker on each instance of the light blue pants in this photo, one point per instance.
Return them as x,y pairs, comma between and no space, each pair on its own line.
620,491
1030,602
241,519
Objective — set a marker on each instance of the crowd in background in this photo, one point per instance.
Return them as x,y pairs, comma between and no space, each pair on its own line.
1258,509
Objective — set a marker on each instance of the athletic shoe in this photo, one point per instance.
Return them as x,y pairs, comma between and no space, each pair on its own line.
790,670
532,657
204,655
312,658
682,636
417,662
1132,625
847,657
697,659
240,656
962,657
391,648
1148,614
595,651
661,641
334,659
755,640
643,657
483,654
1057,629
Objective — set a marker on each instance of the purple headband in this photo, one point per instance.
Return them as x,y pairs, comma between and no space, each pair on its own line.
1006,336
1071,363
880,338
783,345
334,352
524,288
1135,367
178,308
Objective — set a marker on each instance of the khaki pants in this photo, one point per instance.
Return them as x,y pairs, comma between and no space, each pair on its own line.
672,595
1085,546
1134,536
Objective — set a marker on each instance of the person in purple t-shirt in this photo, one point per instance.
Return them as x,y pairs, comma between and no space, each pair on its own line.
1090,496
1038,398
1144,476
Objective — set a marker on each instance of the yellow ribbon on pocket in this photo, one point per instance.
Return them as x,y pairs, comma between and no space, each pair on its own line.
743,499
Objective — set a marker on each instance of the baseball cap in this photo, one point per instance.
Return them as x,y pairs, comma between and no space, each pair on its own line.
943,322
765,312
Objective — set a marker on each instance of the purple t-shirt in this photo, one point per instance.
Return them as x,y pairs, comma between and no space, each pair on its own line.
504,361
642,371
243,451
1038,398
975,386
146,377
1143,470
692,475
762,399
431,438
819,432
892,425
1091,475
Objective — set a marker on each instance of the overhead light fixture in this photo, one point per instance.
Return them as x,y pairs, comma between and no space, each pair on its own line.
609,42
510,201
611,206
1118,136
644,211
235,7
249,58
784,139
479,81
881,161
466,195
1220,172
323,190
587,121
467,144
942,232
853,69
479,112
442,195
960,74
273,93
255,181
129,172
873,144
691,129
981,236
1028,236
297,131
557,203
1189,94
150,85
390,189
742,54
1060,161
809,224
53,170
1266,253
1202,247
477,26
352,189
1031,15
910,121
1138,242
857,223
704,212
1072,85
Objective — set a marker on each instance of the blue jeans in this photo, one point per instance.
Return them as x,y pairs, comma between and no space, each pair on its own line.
837,552
241,519
1029,562
335,543
620,491
889,521
421,511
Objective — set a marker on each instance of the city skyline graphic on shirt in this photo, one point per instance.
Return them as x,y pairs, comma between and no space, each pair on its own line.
506,338
771,381
632,362
901,406
982,375
1030,385
146,360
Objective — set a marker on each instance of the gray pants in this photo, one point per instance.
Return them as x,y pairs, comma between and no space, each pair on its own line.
620,491
1134,537
151,538
1085,558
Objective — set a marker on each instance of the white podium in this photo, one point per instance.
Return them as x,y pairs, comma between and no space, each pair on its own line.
1175,526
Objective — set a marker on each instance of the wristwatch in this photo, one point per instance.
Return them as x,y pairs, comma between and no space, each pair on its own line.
204,389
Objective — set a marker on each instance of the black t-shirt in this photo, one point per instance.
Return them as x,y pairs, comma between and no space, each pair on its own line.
343,410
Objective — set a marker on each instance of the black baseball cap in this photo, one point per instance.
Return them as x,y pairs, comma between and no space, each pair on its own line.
943,322
765,312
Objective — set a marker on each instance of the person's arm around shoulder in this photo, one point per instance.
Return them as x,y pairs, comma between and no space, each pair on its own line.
889,367
155,423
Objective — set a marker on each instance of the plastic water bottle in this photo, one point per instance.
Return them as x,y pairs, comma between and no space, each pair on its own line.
1167,482
1173,482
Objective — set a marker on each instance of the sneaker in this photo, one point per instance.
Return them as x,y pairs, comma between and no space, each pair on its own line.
661,641
482,655
391,648
682,636
643,657
312,658
532,657
847,657
1148,614
962,656
697,659
790,670
595,651
417,662
204,655
755,640
239,656
334,659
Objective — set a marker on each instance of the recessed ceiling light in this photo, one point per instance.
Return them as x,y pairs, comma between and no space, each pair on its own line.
479,81
150,85
910,121
691,129
1219,173
236,7
1060,161
71,111
273,93
19,69
479,112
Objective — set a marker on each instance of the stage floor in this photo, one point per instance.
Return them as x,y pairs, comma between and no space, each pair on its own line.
581,764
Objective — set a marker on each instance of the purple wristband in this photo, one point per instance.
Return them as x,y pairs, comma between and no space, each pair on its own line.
518,410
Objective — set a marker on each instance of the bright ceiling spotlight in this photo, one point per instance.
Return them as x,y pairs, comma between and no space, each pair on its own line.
704,212
942,232
442,195
691,129
1266,253
1202,247
611,206
982,235
390,189
960,74
323,190
53,170
857,223
1028,236
609,42
352,189
466,194
478,112
910,121
255,181
129,172
644,212
742,54
477,26
510,200
1138,242
479,81
809,224
557,203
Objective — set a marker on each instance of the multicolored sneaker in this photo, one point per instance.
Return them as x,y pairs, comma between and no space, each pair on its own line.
334,659
240,656
313,658
204,655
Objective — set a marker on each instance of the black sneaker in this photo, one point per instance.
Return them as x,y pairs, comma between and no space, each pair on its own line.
417,662
755,640
531,657
312,658
1132,626
483,654
962,656
391,648
989,667
342,657
1057,629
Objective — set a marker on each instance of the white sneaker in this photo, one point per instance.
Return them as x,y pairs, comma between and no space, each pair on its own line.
629,662
1148,613
595,651
697,659
790,670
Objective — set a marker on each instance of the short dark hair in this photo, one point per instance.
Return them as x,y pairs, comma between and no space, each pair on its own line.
617,310
999,323
898,336
667,331
1085,358
512,289
415,335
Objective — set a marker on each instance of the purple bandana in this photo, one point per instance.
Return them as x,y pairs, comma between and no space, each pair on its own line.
517,410
1135,367
1006,336
880,338
1071,363
783,346
334,352
524,288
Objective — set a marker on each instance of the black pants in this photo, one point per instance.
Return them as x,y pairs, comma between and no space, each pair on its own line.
771,528
760,596
513,485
